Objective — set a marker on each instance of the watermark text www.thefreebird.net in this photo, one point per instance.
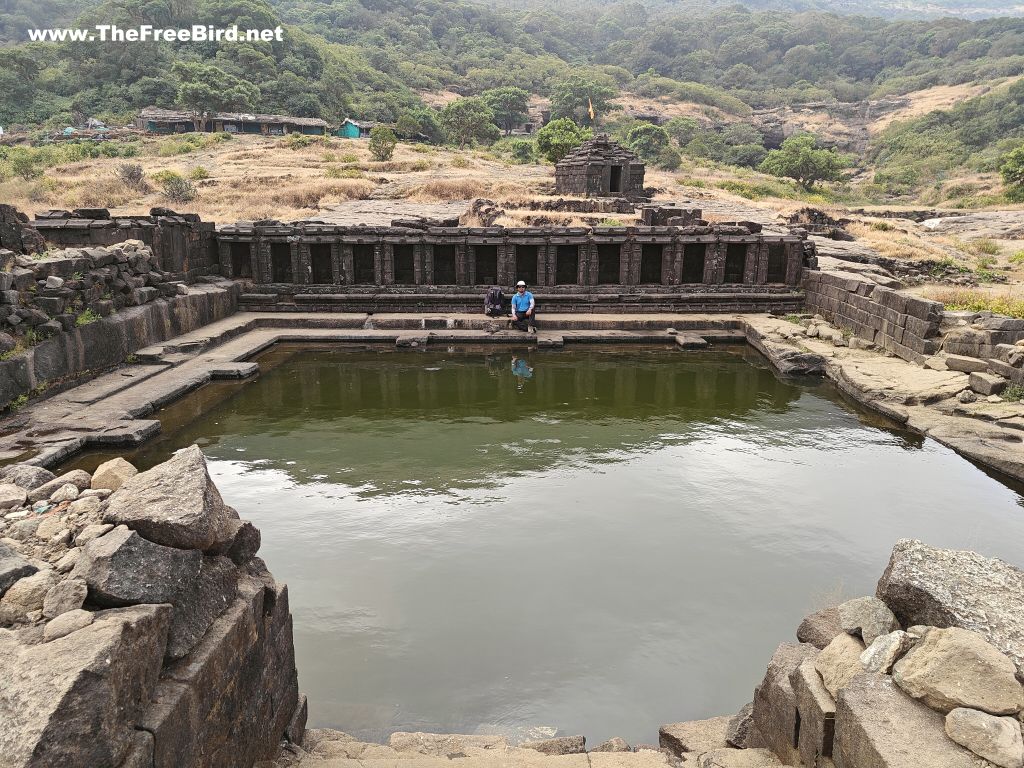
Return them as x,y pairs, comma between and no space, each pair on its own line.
146,33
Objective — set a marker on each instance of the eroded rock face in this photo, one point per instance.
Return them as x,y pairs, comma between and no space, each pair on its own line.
953,667
950,588
74,701
199,603
560,745
997,739
614,744
867,617
174,504
122,568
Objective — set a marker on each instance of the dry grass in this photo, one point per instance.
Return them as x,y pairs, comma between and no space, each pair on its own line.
1009,303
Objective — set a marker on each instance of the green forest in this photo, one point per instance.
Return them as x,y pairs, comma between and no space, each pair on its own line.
369,59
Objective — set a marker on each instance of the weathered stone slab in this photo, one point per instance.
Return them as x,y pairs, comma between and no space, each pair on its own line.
817,711
64,596
74,701
78,478
775,701
955,667
987,383
560,745
122,568
694,735
879,726
886,650
11,496
174,504
741,726
950,588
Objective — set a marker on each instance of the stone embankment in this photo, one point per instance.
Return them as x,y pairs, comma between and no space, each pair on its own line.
86,309
923,674
137,625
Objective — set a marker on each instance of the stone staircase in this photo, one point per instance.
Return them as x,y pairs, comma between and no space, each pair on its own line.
328,748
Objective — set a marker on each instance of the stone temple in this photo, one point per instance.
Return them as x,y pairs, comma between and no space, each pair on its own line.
600,168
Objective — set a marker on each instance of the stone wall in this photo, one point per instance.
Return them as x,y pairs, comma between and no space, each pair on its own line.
183,244
137,626
82,310
907,326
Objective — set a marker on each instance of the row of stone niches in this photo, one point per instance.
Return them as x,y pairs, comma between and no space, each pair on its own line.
582,264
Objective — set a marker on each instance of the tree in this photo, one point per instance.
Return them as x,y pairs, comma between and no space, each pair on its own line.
205,88
408,127
468,120
648,141
382,142
1012,171
559,137
573,97
509,105
800,160
682,129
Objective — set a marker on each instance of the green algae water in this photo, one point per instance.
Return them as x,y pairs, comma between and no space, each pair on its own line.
597,540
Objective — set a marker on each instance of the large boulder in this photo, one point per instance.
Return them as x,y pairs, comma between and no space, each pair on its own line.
775,717
175,504
12,567
867,618
122,568
26,476
953,588
820,627
879,726
112,474
997,739
74,701
953,667
11,496
28,594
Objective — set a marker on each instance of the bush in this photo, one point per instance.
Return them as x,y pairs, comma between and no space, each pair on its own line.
199,173
86,317
176,187
131,175
800,160
523,151
298,141
343,173
648,141
669,159
382,143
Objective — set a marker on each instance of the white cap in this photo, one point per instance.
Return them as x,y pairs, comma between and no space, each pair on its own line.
522,283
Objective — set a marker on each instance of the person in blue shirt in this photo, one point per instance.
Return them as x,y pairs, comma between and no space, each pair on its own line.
524,309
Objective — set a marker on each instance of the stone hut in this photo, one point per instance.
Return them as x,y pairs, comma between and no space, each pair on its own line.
600,168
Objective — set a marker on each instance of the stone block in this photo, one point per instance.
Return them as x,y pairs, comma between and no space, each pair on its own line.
820,627
172,719
965,364
13,567
817,711
839,662
775,701
986,383
879,726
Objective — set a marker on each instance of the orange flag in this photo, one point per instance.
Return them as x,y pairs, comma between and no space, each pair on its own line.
590,104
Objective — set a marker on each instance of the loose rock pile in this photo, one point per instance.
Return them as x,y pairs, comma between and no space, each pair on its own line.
53,293
133,611
926,673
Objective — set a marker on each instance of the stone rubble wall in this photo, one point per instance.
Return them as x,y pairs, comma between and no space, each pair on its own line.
183,245
137,625
925,673
92,308
906,326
